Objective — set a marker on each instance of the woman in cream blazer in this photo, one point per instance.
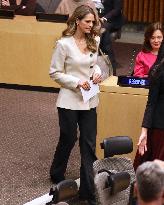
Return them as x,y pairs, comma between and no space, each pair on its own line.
73,65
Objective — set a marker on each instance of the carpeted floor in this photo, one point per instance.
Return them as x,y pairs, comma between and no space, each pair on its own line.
28,137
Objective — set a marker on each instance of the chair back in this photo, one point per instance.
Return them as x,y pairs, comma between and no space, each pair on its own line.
63,191
117,164
116,146
112,189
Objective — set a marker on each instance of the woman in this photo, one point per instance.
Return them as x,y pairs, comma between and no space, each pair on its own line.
151,141
147,57
21,7
73,66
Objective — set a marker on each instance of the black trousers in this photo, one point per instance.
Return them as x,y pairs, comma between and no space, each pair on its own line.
68,122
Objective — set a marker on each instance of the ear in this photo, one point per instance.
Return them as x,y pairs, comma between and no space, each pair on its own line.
135,193
77,22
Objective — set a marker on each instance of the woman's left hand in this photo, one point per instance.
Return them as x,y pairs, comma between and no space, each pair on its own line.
5,3
97,78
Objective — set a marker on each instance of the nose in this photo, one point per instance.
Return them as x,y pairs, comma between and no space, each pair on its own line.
156,39
91,24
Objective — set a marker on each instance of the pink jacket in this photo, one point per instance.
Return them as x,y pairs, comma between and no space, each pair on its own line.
143,63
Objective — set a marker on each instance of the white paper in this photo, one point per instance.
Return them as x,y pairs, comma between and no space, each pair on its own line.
88,94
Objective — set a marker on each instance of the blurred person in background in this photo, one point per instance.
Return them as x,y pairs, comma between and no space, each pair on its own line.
64,7
112,20
21,7
47,6
147,56
68,6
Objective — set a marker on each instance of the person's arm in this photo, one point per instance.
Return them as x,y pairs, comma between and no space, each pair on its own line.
117,9
139,69
148,115
10,5
27,8
57,68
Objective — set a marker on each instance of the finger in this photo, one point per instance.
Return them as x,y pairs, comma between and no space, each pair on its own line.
97,80
86,86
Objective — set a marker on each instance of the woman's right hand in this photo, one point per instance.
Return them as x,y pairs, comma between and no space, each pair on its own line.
142,143
85,85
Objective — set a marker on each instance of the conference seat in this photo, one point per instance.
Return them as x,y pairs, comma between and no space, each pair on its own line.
116,165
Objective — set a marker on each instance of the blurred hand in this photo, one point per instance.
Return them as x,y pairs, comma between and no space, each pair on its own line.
85,85
142,143
97,78
5,3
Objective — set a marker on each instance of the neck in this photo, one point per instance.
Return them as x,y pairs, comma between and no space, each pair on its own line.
79,35
18,2
155,51
158,201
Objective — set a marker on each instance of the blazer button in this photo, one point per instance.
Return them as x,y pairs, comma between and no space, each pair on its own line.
91,66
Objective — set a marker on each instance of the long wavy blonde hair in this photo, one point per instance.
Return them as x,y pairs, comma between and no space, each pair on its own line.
79,13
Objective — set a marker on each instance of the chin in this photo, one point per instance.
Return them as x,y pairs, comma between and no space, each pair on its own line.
156,47
88,31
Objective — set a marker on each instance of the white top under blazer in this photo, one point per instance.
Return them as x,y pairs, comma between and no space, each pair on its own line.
68,66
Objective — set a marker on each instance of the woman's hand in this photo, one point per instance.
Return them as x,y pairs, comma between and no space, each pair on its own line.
85,85
142,143
97,78
5,3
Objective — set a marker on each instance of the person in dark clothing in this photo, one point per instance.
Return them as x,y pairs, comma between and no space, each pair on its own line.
151,140
21,7
112,20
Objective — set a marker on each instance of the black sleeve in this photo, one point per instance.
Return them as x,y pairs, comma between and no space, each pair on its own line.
12,6
29,10
117,9
151,104
27,7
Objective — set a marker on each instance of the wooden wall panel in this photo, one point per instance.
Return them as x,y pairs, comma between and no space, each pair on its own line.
145,11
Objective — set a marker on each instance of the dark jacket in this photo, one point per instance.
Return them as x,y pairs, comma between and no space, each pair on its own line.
154,112
113,12
48,6
29,10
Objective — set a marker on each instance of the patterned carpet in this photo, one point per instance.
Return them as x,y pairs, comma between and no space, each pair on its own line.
28,137
29,133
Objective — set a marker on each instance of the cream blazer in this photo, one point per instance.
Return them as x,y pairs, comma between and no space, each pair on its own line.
68,66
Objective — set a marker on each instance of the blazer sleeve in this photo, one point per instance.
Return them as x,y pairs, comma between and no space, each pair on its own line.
139,70
57,68
151,104
97,69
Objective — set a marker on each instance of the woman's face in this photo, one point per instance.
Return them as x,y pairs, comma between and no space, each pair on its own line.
156,39
85,25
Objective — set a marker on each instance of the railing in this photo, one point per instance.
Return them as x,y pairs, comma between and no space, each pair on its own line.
144,11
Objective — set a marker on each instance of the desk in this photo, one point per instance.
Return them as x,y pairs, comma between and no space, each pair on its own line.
120,112
26,47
